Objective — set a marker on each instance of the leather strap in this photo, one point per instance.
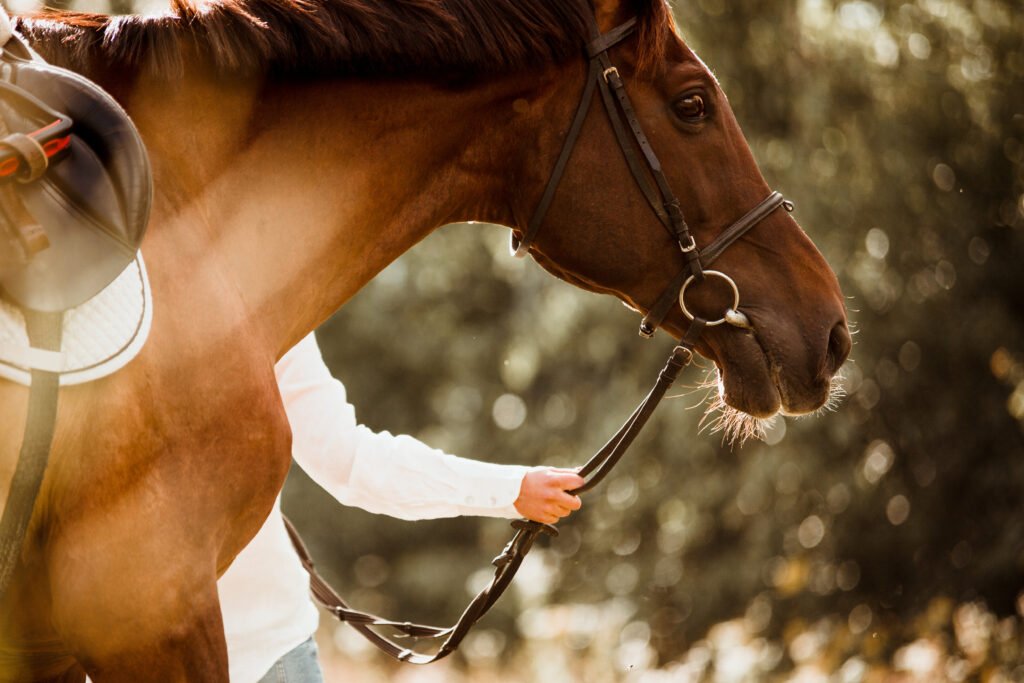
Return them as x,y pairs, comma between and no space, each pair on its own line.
633,161
709,255
659,311
16,219
602,462
603,42
521,246
661,198
32,154
646,170
44,330
511,558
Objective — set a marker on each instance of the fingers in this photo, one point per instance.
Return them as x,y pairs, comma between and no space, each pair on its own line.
560,502
545,497
553,517
568,501
567,480
563,506
551,512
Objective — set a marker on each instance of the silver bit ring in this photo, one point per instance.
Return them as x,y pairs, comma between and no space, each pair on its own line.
735,297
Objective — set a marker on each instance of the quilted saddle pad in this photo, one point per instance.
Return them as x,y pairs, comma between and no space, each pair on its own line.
100,336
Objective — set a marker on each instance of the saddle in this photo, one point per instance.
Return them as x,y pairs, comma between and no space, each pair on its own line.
75,194
75,184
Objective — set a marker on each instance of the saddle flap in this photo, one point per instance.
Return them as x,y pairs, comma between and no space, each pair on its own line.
93,204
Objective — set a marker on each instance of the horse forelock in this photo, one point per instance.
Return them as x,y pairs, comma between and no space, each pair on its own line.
433,39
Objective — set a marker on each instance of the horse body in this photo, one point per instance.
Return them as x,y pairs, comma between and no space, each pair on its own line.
161,473
276,200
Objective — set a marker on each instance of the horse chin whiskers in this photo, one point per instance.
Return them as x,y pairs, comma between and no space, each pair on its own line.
735,426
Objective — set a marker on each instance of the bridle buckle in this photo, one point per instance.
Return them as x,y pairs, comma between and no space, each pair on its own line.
687,248
608,72
681,350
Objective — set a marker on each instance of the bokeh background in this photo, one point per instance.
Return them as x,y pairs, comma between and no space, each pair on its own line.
881,542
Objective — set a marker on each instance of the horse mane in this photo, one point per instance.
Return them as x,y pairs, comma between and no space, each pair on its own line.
440,40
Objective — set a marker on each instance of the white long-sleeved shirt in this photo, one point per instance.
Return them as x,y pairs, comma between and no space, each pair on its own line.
264,594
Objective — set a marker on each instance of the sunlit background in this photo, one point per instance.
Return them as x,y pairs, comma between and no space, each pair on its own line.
881,542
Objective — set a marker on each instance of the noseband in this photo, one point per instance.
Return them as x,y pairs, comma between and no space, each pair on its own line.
644,166
604,77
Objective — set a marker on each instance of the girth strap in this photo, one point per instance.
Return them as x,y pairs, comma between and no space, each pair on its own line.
44,332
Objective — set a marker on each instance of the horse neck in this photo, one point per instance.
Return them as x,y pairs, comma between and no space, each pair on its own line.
301,193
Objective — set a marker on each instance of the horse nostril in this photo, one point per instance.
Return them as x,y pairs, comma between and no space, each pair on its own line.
839,345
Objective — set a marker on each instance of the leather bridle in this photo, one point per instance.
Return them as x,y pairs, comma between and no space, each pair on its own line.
604,77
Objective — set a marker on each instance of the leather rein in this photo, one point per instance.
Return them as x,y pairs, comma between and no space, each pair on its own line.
644,166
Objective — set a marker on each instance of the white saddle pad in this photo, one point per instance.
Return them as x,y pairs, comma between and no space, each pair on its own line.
99,338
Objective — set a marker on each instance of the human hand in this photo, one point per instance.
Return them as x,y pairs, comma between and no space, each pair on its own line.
543,497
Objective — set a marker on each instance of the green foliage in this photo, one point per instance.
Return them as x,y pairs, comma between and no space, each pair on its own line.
896,520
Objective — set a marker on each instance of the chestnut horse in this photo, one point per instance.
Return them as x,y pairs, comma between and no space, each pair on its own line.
298,147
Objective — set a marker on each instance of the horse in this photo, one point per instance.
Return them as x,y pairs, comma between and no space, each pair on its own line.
298,147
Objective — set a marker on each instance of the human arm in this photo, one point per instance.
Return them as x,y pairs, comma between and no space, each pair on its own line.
399,475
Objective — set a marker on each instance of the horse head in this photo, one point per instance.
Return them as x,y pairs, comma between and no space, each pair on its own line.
600,231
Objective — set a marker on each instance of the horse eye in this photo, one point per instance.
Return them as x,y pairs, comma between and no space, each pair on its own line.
691,107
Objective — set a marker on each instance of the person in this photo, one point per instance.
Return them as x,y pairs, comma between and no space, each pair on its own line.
269,617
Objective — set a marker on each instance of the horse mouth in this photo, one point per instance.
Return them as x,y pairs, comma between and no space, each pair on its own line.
754,383
748,380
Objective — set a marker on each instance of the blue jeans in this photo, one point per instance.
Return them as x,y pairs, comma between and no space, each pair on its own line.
300,665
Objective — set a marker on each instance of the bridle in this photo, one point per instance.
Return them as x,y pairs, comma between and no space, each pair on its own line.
604,77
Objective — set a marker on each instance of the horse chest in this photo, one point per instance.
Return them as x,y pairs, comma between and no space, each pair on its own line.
231,443
202,454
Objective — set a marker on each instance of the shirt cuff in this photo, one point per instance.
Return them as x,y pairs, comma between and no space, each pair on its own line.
493,491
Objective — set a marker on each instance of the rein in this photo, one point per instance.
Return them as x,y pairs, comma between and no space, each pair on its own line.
604,77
